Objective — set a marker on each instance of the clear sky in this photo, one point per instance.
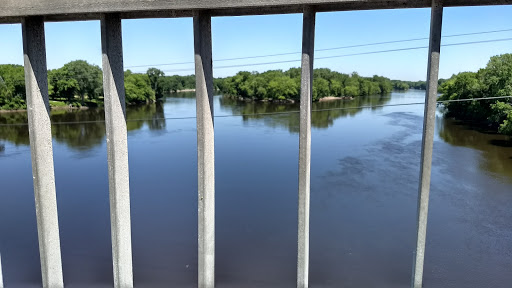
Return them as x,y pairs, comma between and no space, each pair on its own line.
158,41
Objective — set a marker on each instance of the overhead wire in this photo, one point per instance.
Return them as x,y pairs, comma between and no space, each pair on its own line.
324,49
337,56
318,58
346,55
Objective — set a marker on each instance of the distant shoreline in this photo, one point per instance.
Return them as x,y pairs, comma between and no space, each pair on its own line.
291,101
51,108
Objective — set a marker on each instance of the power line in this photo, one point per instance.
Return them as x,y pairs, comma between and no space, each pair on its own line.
272,113
326,49
414,48
342,55
334,56
346,55
475,99
154,65
414,39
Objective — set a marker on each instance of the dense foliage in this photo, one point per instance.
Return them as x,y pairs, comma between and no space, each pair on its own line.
77,83
138,88
406,85
493,80
418,85
77,78
279,85
177,83
12,87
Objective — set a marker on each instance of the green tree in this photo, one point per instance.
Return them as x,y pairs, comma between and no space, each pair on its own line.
337,88
138,88
506,126
88,77
12,87
497,76
502,114
466,85
61,85
279,85
493,80
320,88
154,76
352,87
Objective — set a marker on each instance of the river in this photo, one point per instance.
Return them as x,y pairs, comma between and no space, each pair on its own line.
364,181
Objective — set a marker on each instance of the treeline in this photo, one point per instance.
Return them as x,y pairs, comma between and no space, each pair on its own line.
79,83
406,85
12,87
418,85
167,84
492,81
279,85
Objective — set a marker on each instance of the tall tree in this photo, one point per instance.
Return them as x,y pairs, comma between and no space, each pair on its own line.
138,88
154,75
493,80
88,77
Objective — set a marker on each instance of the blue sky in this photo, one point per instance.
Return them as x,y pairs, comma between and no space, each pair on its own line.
157,41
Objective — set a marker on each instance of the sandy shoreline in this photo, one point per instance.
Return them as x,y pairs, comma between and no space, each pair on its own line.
333,98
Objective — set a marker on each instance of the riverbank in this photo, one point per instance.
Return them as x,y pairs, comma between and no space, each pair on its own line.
186,90
61,108
76,105
490,82
281,101
334,98
247,99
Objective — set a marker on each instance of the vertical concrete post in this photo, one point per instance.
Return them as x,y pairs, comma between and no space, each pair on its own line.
428,139
117,149
1,275
306,89
38,109
205,149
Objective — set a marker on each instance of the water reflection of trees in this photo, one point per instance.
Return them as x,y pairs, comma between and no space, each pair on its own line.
150,115
81,129
16,134
188,94
496,149
321,119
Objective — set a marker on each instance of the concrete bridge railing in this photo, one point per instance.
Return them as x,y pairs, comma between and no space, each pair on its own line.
32,14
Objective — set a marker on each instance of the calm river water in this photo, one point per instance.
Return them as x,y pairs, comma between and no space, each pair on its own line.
365,167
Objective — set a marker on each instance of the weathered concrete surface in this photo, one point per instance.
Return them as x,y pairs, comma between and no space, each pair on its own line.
306,93
428,139
205,149
38,110
58,10
1,275
117,149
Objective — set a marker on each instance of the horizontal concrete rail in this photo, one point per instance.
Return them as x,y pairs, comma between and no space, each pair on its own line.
11,11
